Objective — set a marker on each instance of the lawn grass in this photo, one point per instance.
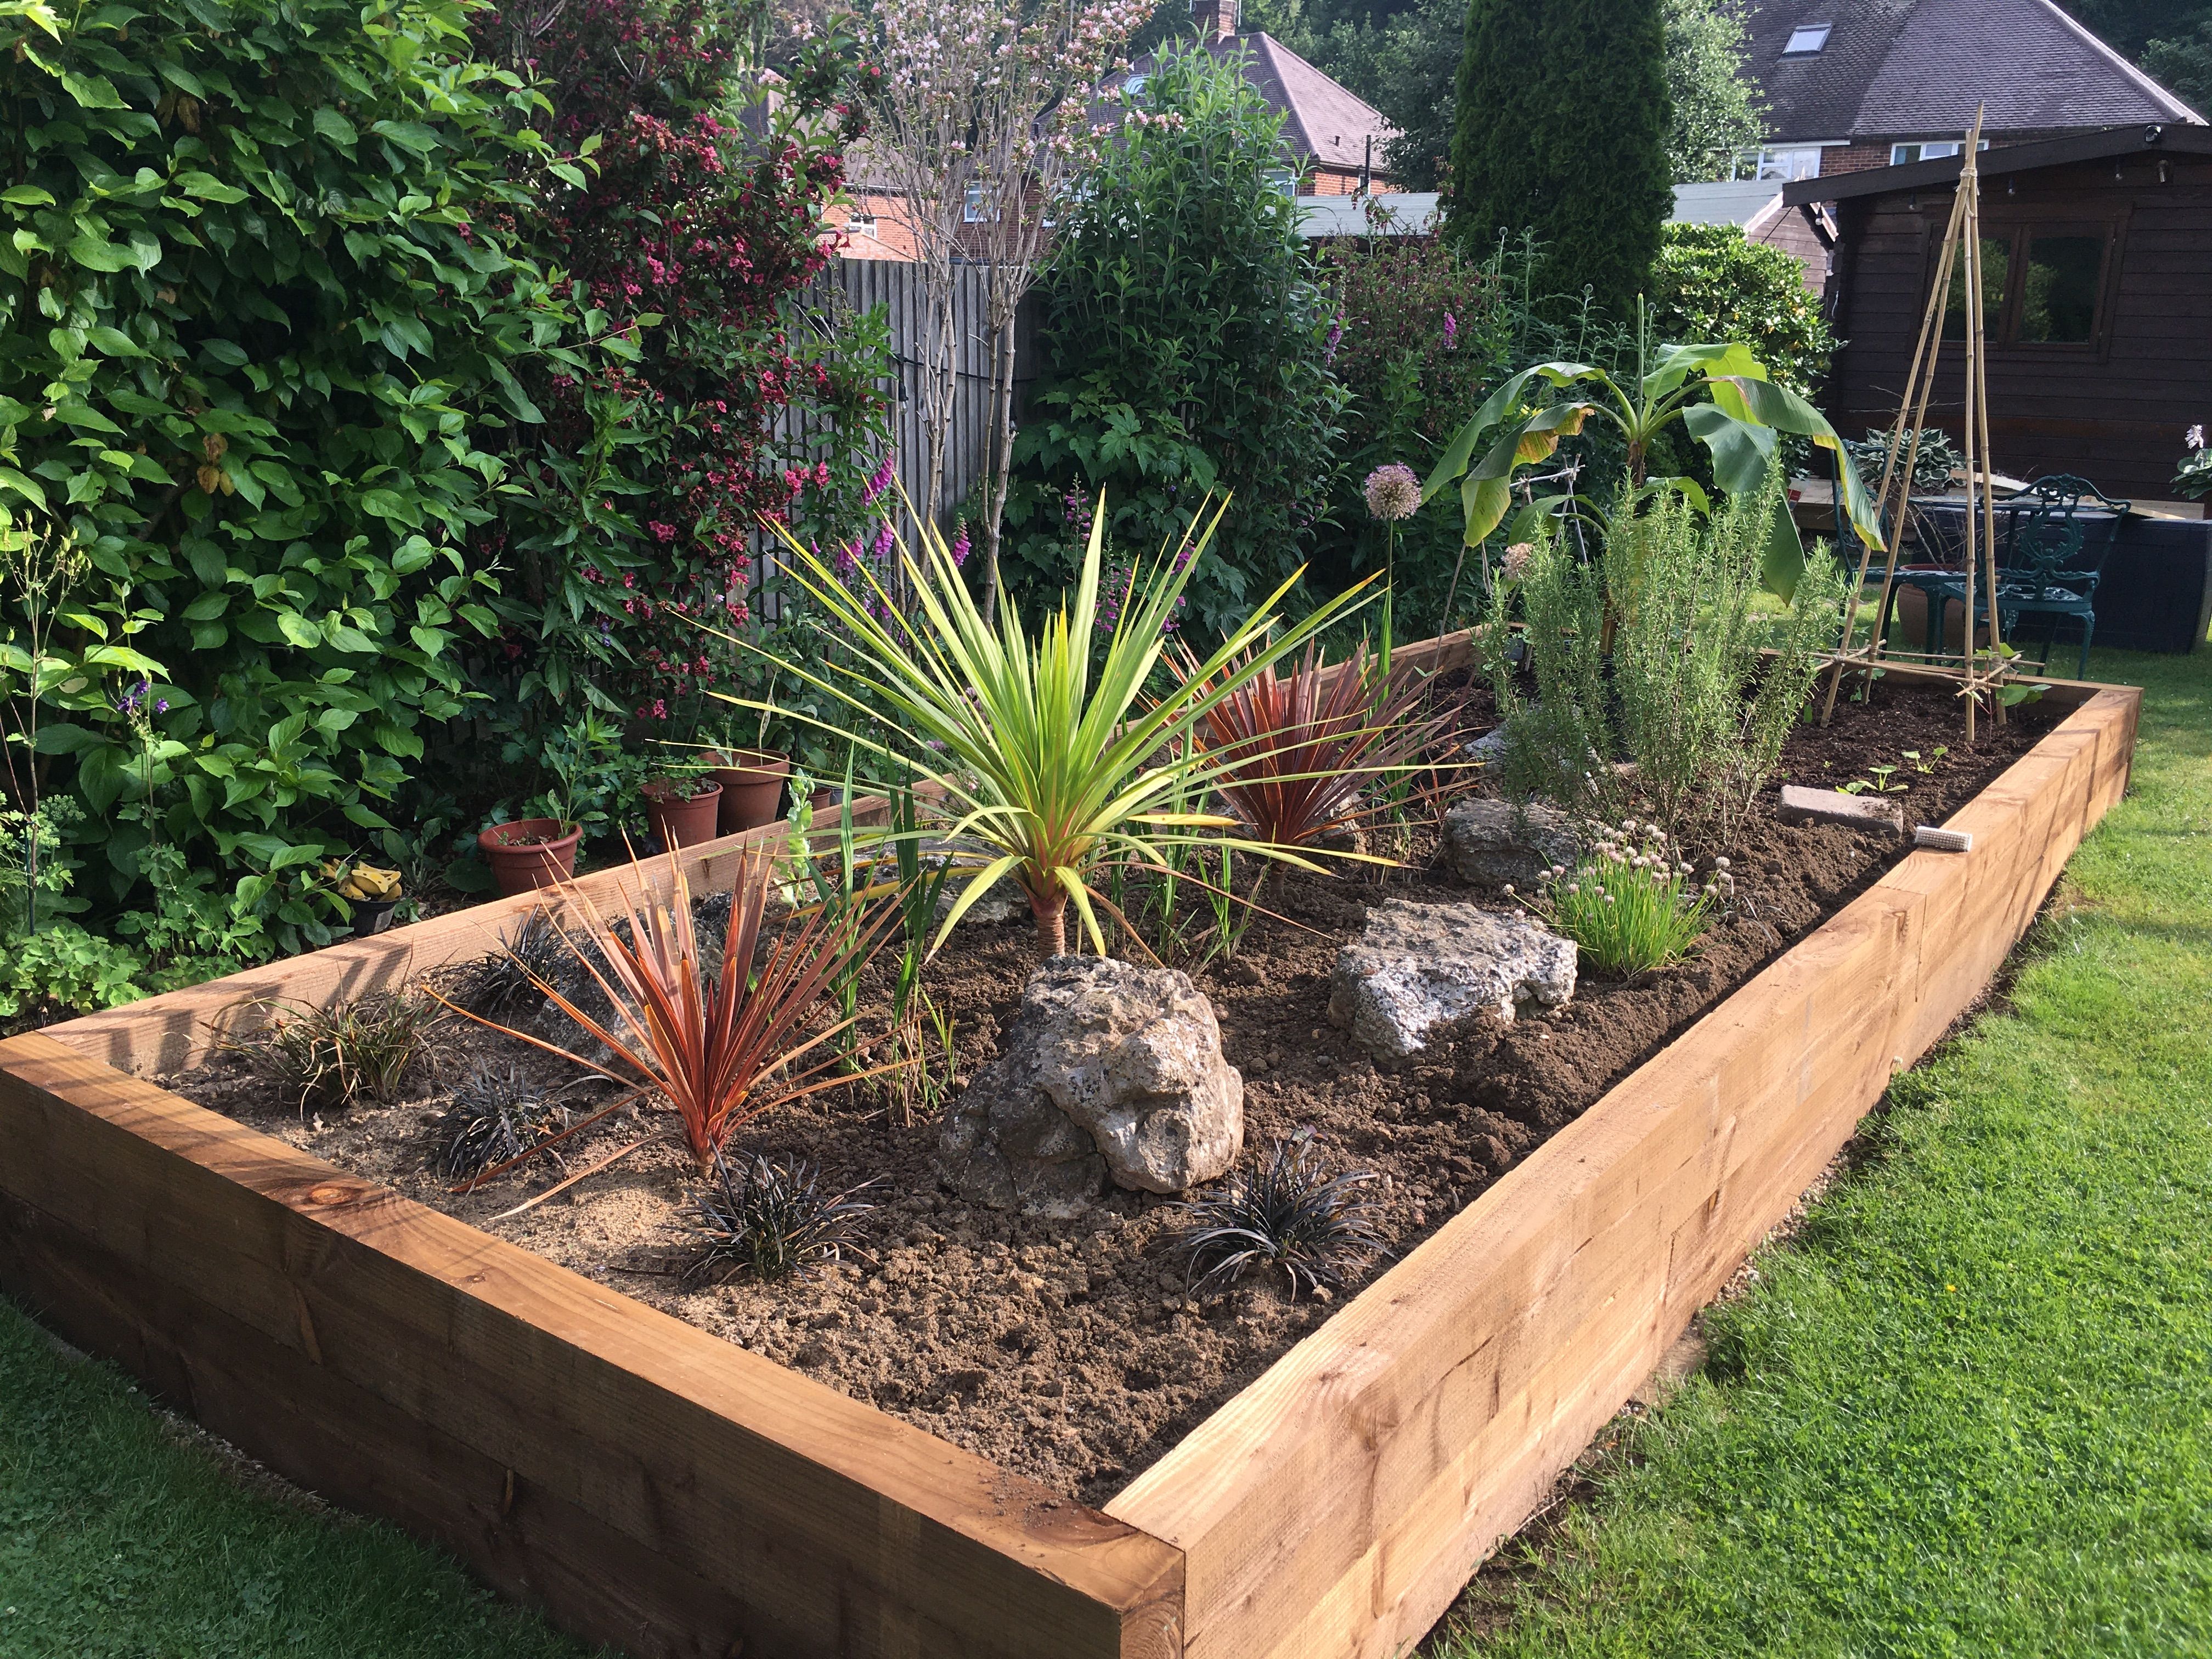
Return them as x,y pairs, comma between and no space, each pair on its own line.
118,1537
1968,1410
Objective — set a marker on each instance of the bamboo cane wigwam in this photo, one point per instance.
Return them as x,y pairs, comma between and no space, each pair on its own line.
1986,671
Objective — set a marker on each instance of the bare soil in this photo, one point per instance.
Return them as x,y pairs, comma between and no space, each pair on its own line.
1068,1350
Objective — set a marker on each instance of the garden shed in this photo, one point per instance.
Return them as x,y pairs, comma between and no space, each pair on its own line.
2098,291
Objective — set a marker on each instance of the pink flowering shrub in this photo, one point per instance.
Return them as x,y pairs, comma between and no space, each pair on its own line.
693,232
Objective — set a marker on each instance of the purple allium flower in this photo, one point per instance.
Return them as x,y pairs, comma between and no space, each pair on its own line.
960,542
1393,492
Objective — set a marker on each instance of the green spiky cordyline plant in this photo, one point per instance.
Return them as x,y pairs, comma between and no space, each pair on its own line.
1052,765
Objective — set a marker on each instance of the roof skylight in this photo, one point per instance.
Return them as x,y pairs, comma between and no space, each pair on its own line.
1806,38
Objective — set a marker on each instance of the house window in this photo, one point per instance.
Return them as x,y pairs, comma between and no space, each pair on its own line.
861,224
1135,86
1798,161
1282,180
1806,39
1932,149
971,207
2042,285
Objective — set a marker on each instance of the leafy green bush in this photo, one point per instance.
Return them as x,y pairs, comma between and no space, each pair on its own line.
1185,345
259,324
632,510
1422,334
1710,282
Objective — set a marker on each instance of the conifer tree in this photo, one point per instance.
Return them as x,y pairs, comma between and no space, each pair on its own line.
1562,127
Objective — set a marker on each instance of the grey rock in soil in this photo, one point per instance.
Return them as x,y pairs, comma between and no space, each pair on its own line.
1002,902
1489,748
1416,966
1497,842
1109,1072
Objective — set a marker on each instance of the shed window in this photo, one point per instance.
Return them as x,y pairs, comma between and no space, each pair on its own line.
2042,285
2059,288
1806,38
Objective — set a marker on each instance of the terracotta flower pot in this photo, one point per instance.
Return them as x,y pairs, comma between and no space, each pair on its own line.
529,852
682,821
752,788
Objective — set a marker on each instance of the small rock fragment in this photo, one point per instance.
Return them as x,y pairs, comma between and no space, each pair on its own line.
1497,843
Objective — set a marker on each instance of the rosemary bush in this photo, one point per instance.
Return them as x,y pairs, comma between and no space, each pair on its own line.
1702,684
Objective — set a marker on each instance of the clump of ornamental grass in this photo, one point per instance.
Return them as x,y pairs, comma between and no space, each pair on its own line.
506,981
1633,903
331,1059
497,1113
772,1219
1286,1214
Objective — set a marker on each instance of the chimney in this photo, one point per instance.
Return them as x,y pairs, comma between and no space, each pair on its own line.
1217,18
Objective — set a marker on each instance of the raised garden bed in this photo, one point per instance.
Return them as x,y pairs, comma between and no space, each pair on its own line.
672,1491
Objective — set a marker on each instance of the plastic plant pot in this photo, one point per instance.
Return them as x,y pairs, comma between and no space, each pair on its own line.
752,788
528,854
371,916
680,820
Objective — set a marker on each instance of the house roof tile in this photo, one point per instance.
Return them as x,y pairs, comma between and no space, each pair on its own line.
1919,67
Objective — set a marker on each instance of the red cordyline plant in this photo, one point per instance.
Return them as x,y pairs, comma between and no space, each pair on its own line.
1291,753
721,1047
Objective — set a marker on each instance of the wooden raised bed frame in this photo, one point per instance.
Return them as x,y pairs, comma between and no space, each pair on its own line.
658,1488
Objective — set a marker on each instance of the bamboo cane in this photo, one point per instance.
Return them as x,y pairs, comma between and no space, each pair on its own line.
1926,354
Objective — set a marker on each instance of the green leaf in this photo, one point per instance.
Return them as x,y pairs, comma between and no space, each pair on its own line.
65,739
394,740
412,135
91,91
299,630
336,128
94,253
25,196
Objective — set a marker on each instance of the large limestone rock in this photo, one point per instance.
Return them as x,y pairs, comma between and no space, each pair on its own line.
1496,842
1109,1072
1416,966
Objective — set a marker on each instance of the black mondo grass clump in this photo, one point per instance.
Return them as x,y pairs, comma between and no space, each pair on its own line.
770,1218
506,981
497,1113
332,1059
1319,1230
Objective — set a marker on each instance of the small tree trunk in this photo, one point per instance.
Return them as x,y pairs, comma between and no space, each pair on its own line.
1051,929
1001,452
